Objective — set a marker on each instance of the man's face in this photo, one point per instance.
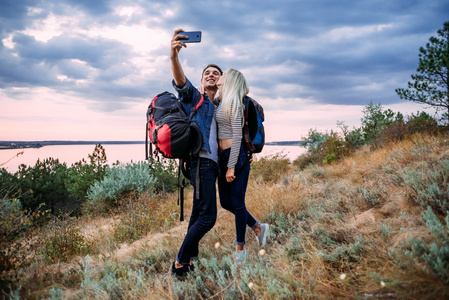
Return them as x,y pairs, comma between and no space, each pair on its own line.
210,77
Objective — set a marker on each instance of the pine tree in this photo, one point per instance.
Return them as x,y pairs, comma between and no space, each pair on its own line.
431,86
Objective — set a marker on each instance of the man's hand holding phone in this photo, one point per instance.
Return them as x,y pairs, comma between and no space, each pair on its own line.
181,37
176,44
179,40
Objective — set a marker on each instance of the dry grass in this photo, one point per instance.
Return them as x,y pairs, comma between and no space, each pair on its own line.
334,230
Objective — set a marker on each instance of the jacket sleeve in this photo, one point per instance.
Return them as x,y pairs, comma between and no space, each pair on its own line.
187,94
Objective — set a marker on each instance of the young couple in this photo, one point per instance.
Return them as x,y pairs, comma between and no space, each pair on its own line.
222,155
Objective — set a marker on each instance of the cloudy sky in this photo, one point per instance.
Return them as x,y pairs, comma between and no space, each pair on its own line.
86,70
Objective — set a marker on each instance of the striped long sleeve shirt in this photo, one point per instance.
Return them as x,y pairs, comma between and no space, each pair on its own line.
230,129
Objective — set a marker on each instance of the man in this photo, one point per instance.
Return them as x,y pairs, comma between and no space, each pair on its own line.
204,210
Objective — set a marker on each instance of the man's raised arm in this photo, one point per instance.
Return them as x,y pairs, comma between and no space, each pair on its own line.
176,68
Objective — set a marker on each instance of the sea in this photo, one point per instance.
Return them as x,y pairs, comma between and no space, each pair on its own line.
10,159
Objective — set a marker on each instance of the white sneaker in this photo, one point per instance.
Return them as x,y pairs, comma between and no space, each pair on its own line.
262,237
240,257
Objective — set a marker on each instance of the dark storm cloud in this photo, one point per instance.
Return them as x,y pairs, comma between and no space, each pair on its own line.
39,63
337,52
14,15
97,7
98,53
333,67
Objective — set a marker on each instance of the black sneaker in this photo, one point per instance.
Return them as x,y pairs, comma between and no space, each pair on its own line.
191,268
180,272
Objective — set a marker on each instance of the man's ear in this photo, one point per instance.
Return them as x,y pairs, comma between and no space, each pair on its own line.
202,81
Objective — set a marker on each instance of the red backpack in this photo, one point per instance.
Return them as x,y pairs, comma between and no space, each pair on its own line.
170,129
174,135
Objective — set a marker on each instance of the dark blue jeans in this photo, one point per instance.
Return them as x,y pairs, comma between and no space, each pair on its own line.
232,194
204,211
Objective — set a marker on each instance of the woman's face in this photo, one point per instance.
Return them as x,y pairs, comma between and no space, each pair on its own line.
220,84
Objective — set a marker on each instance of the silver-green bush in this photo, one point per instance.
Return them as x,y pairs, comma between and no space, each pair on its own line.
429,184
120,179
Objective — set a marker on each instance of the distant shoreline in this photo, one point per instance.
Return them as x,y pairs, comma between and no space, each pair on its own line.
284,143
39,144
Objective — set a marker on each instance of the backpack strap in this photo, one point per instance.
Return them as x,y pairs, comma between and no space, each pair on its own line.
245,134
181,186
199,102
148,150
181,190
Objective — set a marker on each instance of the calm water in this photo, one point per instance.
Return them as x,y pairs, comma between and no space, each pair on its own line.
10,159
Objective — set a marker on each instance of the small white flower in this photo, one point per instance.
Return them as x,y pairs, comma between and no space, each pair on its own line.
382,283
342,276
250,285
217,245
262,252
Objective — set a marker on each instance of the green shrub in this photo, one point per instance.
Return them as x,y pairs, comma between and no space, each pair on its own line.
400,129
315,140
42,183
354,139
13,219
330,158
385,232
270,168
140,215
103,281
326,148
422,122
334,149
428,184
428,257
14,223
372,196
166,175
375,120
295,249
119,180
394,132
50,182
307,159
63,240
345,254
81,175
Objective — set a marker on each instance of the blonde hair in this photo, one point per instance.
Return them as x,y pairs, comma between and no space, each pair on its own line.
234,90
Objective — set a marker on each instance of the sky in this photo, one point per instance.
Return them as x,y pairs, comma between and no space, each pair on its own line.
87,70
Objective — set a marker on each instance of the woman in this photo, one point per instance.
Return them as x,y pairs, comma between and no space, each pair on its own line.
233,160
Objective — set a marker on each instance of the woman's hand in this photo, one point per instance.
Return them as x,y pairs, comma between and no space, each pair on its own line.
230,175
201,89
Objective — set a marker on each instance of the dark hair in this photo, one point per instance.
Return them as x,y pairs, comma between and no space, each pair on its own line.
213,66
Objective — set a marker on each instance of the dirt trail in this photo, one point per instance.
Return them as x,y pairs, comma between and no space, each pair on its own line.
126,251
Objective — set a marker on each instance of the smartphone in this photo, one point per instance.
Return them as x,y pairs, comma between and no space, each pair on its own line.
194,36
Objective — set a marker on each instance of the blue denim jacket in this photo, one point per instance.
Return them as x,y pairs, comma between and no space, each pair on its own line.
190,97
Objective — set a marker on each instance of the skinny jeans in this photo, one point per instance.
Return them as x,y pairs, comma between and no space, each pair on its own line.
232,194
204,210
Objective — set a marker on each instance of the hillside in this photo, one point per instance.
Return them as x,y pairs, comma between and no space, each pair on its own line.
373,225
